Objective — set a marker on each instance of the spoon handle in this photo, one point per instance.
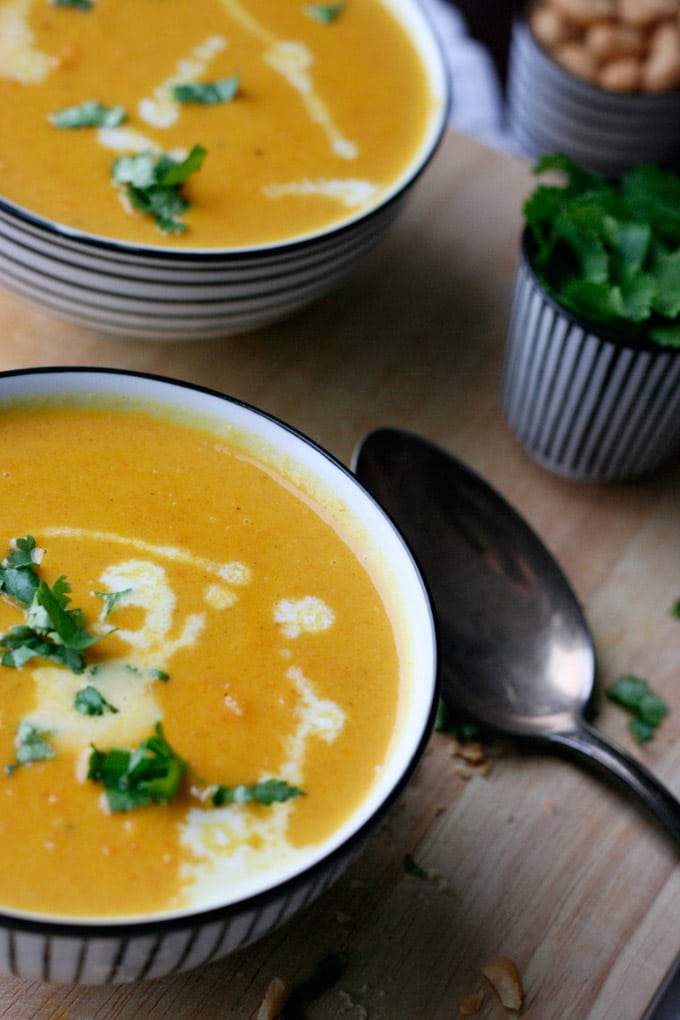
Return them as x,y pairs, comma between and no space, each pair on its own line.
591,744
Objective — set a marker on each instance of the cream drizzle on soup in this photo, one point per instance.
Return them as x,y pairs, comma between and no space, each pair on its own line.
235,610
323,123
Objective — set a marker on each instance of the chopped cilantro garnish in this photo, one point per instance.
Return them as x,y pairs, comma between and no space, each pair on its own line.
111,599
648,709
18,576
51,630
31,745
411,868
90,701
207,93
269,791
324,13
150,774
610,251
153,773
90,113
153,184
159,674
78,5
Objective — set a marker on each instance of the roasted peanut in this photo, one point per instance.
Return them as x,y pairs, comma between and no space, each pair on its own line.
575,58
622,75
661,70
550,27
585,12
622,45
609,40
645,12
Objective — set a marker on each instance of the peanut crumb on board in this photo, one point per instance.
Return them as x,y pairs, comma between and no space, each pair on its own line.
471,758
471,1004
274,1000
506,980
350,1006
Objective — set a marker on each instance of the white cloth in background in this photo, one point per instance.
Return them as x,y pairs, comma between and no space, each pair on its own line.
477,97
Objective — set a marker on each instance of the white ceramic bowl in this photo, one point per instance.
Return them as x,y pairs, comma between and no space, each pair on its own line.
57,949
155,293
551,110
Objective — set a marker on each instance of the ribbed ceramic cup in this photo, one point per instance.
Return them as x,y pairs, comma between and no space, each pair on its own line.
587,405
551,110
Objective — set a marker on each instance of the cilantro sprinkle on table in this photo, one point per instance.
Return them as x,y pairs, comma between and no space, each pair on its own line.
647,708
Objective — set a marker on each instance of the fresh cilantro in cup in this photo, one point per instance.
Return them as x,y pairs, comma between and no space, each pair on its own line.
609,251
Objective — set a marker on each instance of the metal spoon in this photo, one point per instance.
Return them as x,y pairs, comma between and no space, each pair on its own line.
516,651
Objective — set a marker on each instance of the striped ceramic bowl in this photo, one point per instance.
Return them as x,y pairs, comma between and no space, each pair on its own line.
112,950
130,291
550,110
586,405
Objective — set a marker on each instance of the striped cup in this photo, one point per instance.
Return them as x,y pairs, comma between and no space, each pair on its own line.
586,404
551,110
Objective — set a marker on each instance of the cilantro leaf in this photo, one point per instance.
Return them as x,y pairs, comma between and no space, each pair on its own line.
90,701
207,93
609,251
411,867
51,630
325,14
31,745
152,185
111,599
268,791
78,5
89,113
18,573
150,774
648,709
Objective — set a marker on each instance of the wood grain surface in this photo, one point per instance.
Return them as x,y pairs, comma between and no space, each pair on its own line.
540,859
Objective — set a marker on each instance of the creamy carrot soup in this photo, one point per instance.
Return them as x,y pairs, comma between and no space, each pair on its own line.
239,701
284,116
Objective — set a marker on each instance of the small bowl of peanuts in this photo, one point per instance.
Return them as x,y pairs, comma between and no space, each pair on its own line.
598,80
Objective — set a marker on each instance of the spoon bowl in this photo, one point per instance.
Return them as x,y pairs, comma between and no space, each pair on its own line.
516,651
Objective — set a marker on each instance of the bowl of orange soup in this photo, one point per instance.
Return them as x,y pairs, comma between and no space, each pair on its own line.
218,665
215,172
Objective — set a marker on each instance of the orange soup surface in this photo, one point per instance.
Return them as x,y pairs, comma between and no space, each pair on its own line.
306,113
237,626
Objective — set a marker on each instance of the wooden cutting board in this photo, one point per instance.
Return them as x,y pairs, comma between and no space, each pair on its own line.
539,859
